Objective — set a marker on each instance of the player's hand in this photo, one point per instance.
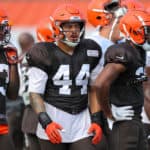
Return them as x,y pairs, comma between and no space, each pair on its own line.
122,113
52,131
11,54
96,129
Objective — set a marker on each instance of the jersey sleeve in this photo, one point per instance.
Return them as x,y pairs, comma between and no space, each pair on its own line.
118,54
38,56
37,80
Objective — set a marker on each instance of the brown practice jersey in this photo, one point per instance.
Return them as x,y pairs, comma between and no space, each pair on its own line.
68,75
127,88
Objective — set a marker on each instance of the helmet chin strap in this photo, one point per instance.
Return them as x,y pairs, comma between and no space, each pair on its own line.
69,43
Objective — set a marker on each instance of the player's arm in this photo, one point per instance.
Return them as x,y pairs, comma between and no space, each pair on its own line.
37,76
93,103
96,117
147,106
12,59
37,102
98,120
37,84
103,82
38,60
13,85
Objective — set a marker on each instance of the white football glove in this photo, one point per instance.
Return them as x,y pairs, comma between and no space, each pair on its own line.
122,113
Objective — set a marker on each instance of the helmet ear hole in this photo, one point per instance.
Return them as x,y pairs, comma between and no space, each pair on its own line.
98,17
48,37
134,32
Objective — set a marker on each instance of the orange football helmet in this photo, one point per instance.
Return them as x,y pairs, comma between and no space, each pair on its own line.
102,12
5,28
97,14
46,30
69,13
135,26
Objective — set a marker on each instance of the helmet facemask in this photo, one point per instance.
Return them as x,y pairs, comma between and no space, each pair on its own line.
64,32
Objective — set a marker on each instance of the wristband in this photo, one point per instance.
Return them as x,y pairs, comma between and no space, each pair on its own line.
100,119
97,117
44,119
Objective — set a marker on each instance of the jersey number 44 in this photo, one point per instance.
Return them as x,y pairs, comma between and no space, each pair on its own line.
62,78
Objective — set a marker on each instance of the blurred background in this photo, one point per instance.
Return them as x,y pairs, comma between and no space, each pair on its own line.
26,14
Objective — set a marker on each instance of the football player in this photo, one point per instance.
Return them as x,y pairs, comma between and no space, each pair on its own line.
44,33
59,85
120,82
107,33
8,76
104,15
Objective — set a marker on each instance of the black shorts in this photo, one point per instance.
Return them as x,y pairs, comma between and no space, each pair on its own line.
82,144
128,135
147,131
